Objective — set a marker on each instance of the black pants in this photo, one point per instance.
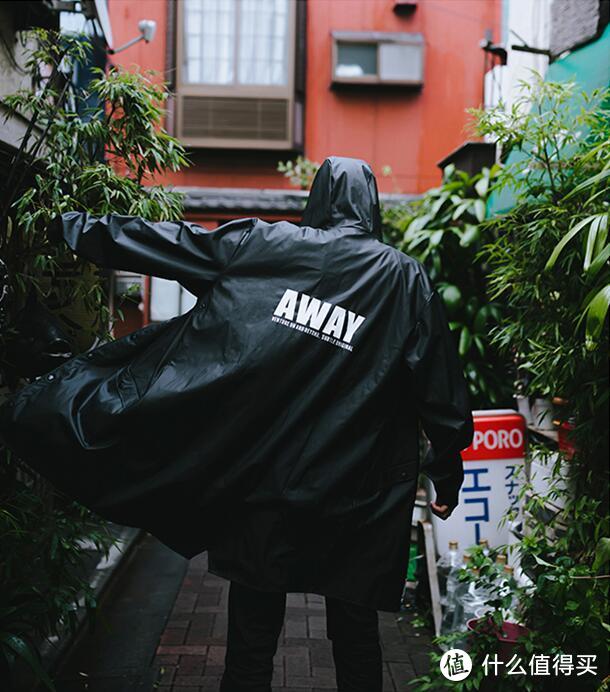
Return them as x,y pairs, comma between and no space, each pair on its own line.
255,620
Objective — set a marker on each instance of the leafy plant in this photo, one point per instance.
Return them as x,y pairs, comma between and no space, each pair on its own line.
540,255
300,172
92,149
539,270
41,573
560,172
484,643
443,231
71,172
565,557
597,250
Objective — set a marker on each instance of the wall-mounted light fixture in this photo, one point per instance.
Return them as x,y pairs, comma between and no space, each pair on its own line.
147,27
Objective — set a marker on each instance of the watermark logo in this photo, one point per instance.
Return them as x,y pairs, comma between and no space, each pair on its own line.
456,665
559,665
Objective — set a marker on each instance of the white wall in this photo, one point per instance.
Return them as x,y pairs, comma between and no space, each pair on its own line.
527,21
168,299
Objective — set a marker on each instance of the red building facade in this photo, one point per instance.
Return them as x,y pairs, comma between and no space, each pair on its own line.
256,82
407,128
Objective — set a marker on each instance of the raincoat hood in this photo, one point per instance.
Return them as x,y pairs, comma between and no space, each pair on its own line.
344,193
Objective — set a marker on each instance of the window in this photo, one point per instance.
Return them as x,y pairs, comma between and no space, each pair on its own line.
356,59
236,64
377,58
236,41
263,44
209,32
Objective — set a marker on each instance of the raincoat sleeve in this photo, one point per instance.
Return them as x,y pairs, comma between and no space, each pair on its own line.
177,250
442,398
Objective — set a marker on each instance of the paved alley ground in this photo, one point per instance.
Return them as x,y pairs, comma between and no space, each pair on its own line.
182,649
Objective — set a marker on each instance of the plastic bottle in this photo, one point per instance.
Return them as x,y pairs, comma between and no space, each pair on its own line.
502,587
453,578
450,560
501,559
453,583
470,601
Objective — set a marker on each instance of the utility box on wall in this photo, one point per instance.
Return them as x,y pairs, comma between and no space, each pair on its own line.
492,478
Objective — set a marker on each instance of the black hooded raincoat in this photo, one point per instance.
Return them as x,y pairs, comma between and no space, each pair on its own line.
276,422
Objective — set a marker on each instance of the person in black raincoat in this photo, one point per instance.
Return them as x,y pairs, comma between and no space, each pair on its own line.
275,424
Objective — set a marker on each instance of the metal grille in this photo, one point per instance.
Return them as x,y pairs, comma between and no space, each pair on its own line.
215,117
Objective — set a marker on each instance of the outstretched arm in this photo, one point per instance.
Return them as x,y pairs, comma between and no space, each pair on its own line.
442,401
178,250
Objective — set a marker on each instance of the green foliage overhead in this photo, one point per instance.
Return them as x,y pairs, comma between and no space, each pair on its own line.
95,159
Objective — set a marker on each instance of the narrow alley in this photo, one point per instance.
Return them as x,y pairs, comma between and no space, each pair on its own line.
167,633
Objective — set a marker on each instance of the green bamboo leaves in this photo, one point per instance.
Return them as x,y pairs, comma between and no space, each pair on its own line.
596,311
596,242
18,647
96,148
589,193
443,231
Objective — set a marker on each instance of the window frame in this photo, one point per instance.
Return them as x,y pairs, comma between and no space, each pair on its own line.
378,38
235,89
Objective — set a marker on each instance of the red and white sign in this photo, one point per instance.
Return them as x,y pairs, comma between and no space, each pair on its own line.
496,436
493,473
